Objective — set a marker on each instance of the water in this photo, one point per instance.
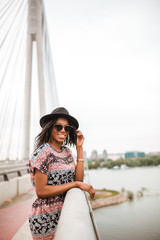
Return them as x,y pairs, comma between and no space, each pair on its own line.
138,219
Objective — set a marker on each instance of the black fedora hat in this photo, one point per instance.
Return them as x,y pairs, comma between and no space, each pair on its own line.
56,113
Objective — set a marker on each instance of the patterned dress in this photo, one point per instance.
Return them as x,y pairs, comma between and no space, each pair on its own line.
60,169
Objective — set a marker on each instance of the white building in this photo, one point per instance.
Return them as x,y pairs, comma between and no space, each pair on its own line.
116,156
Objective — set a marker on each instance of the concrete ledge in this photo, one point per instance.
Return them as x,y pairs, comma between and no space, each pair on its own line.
75,221
4,191
23,184
14,187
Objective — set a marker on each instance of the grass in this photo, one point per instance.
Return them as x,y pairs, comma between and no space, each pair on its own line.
104,193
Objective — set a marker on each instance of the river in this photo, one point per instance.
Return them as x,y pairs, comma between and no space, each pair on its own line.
138,219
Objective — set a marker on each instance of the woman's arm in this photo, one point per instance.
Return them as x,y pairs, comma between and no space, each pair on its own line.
79,171
44,191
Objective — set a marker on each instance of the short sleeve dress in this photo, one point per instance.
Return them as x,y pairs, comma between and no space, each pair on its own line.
60,169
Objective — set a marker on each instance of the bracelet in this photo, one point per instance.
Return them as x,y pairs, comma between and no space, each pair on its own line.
80,160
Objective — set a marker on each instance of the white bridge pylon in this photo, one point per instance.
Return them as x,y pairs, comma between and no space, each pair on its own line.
30,90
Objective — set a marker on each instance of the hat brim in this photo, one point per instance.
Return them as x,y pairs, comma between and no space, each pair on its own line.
49,117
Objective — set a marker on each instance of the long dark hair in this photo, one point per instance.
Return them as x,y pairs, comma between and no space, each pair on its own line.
44,135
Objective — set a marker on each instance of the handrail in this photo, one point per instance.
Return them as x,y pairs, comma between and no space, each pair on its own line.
92,217
76,220
5,174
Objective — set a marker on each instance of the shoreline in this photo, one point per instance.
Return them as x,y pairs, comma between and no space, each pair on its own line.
104,202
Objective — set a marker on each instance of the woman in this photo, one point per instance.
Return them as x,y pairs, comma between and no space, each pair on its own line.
53,171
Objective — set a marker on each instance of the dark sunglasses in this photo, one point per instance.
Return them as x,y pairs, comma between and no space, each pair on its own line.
59,127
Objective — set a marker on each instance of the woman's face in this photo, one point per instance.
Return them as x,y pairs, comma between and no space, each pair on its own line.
59,136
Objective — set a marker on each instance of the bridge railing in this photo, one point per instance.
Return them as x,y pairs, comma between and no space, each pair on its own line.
76,220
6,175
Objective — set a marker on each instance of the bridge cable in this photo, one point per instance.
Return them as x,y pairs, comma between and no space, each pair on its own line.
11,85
48,68
1,10
6,9
8,17
17,97
12,50
8,64
10,26
9,58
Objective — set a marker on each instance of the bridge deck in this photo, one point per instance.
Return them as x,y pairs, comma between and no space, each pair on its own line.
14,218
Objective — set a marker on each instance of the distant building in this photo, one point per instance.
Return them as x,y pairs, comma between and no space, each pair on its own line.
115,156
134,154
153,153
94,154
104,155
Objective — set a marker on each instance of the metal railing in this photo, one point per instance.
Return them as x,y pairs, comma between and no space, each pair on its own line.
7,174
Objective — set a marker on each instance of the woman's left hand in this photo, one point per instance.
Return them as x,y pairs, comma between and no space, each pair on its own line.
80,139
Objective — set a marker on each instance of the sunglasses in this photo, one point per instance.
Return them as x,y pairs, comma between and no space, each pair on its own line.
59,127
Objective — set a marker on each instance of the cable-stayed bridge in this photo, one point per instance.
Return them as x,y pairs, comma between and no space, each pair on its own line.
28,91
27,83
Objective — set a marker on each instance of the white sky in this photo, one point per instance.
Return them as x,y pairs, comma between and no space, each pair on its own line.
106,56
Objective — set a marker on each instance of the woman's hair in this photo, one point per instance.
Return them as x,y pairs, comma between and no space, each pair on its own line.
45,134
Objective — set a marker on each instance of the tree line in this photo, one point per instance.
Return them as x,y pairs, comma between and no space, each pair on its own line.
138,162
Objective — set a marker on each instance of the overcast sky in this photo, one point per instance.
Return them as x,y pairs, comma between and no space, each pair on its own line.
106,56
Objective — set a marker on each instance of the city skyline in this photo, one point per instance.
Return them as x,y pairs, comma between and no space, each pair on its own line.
116,155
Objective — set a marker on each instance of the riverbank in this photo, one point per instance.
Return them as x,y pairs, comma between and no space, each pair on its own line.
107,198
122,163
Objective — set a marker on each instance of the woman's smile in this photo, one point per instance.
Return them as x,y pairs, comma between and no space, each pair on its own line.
61,135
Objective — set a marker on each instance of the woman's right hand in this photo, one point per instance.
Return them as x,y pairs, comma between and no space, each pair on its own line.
87,187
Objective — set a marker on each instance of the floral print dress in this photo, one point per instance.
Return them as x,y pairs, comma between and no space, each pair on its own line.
60,169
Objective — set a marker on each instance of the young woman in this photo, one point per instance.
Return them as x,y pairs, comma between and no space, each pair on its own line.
53,171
